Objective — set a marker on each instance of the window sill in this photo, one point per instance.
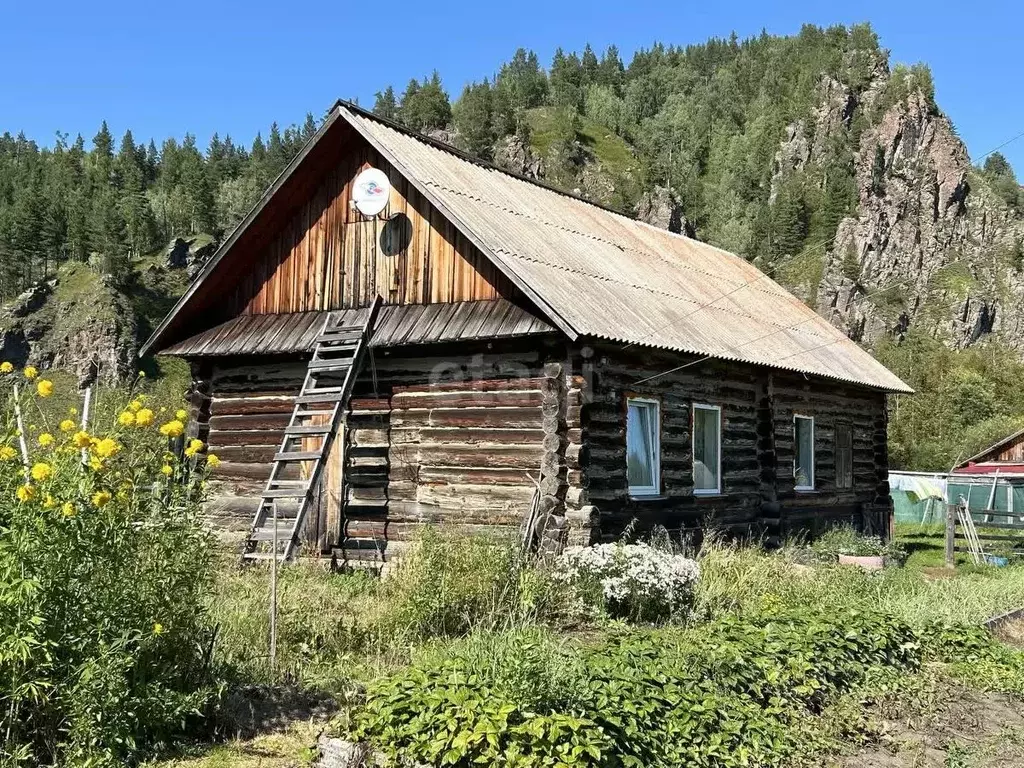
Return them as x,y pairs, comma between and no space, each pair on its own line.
716,495
806,491
647,497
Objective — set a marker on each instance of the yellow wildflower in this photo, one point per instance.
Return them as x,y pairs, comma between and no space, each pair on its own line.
41,472
181,414
50,502
45,439
126,418
158,628
7,453
30,372
144,417
107,447
82,439
173,429
44,387
167,470
142,374
194,447
212,460
100,499
68,509
96,464
134,405
72,411
67,425
26,493
6,367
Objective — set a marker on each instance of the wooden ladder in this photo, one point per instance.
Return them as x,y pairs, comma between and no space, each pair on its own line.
339,353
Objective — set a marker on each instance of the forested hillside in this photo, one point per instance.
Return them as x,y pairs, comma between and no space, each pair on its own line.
811,155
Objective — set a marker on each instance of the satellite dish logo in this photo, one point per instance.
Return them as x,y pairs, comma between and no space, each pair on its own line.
371,191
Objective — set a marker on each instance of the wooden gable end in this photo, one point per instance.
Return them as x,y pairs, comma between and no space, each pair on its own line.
327,255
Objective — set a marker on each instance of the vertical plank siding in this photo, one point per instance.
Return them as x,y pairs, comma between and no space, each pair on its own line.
329,256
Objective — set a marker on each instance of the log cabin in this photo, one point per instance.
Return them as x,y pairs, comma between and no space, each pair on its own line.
535,351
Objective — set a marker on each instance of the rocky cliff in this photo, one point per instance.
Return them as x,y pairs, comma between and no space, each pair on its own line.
931,246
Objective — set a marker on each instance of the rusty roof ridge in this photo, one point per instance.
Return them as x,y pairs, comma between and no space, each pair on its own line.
707,305
650,253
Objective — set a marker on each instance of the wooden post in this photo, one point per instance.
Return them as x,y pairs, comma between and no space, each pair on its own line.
273,600
86,404
950,535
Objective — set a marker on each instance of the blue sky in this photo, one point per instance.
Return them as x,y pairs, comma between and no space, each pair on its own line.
164,69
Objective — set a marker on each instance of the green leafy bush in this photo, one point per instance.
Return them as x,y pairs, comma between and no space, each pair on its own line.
723,695
104,638
451,583
846,540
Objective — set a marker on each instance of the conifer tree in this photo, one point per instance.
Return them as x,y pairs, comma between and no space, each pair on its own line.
385,104
474,119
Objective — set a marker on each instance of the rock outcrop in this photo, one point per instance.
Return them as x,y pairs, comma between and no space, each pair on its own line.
514,154
78,322
661,208
928,246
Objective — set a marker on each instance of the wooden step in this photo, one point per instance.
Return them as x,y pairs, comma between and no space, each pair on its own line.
267,534
318,397
298,456
321,429
330,366
284,493
338,340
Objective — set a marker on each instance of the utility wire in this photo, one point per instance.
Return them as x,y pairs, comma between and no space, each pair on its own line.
1008,141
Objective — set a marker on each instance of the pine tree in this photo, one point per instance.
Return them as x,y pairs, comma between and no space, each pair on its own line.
426,106
385,104
474,119
589,66
566,81
610,72
521,85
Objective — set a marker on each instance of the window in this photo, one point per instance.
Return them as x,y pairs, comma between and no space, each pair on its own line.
643,446
844,456
803,459
707,449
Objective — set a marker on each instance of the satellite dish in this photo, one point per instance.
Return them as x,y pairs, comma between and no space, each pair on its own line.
371,191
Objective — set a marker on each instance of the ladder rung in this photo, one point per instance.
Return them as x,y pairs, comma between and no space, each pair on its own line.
315,430
298,456
318,396
329,365
303,414
337,340
284,493
283,534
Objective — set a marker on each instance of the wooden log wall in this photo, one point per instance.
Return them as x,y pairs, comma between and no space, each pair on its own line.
757,447
328,256
447,436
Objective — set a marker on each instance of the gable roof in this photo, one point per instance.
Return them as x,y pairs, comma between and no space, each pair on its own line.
593,272
994,448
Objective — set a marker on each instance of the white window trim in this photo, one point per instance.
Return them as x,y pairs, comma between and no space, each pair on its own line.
718,469
795,448
649,490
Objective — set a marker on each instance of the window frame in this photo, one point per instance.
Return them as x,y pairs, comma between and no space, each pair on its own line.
641,491
796,452
847,428
693,456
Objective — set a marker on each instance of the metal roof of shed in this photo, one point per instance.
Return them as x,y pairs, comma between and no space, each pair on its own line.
396,325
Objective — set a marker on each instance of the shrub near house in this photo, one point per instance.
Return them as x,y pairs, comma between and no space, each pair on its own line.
104,573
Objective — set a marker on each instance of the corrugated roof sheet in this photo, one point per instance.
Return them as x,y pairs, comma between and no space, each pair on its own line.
609,276
396,325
